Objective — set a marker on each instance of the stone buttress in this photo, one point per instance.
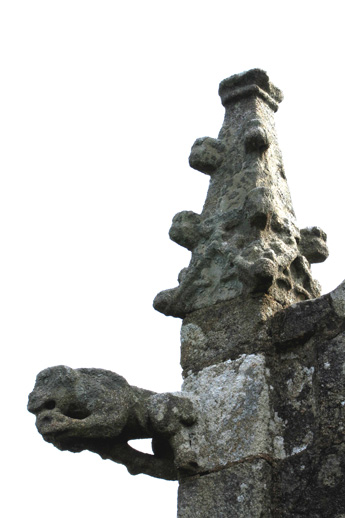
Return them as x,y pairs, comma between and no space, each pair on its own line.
259,345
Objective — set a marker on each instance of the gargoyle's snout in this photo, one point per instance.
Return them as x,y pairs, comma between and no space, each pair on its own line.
51,389
37,405
54,403
72,409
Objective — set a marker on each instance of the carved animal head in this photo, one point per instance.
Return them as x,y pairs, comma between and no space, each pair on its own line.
97,410
74,407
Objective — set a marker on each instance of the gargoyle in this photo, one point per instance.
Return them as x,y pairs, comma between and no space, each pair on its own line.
97,410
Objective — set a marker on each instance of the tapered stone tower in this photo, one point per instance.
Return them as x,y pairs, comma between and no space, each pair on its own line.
258,428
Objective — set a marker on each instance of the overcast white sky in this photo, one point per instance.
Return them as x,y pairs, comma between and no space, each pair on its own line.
100,104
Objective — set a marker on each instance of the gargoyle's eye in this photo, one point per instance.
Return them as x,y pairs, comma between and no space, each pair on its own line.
50,405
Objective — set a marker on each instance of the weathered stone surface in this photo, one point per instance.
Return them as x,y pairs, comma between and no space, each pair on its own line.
287,407
240,491
337,297
324,316
310,484
308,397
225,331
234,415
331,391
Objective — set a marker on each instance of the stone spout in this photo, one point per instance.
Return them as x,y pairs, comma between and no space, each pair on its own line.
97,410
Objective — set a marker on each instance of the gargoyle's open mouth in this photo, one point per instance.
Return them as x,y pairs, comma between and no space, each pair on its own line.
73,411
77,411
52,422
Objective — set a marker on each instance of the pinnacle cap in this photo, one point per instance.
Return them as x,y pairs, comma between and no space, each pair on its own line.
252,82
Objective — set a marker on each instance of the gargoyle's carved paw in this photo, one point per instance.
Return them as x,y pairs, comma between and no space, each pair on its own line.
169,412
